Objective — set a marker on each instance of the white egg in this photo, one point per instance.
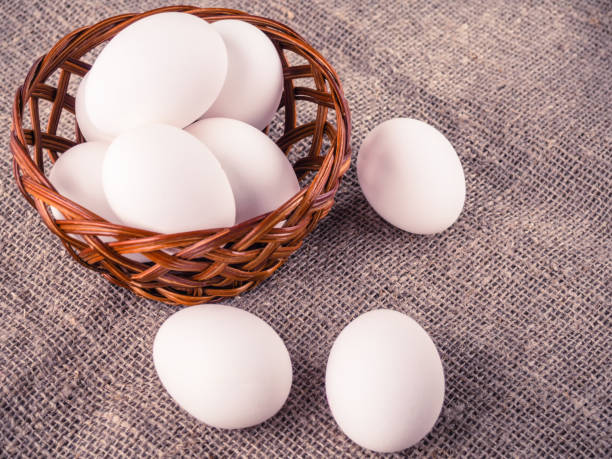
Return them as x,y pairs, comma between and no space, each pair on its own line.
224,366
261,176
166,68
411,175
89,131
254,83
384,381
162,179
77,175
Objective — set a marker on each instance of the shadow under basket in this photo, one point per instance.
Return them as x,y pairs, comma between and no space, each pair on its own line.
199,266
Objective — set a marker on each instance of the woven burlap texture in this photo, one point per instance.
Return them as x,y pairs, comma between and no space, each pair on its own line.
516,294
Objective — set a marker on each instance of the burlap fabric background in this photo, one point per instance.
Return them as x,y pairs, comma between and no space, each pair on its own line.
516,294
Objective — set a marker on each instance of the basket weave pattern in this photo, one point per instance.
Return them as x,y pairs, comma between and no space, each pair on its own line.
200,266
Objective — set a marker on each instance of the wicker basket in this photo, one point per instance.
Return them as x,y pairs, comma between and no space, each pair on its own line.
202,265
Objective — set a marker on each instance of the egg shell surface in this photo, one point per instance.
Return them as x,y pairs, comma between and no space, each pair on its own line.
223,365
384,381
77,175
162,179
261,176
411,175
254,83
165,68
89,131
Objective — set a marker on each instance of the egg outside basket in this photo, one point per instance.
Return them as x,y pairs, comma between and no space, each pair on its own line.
201,266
